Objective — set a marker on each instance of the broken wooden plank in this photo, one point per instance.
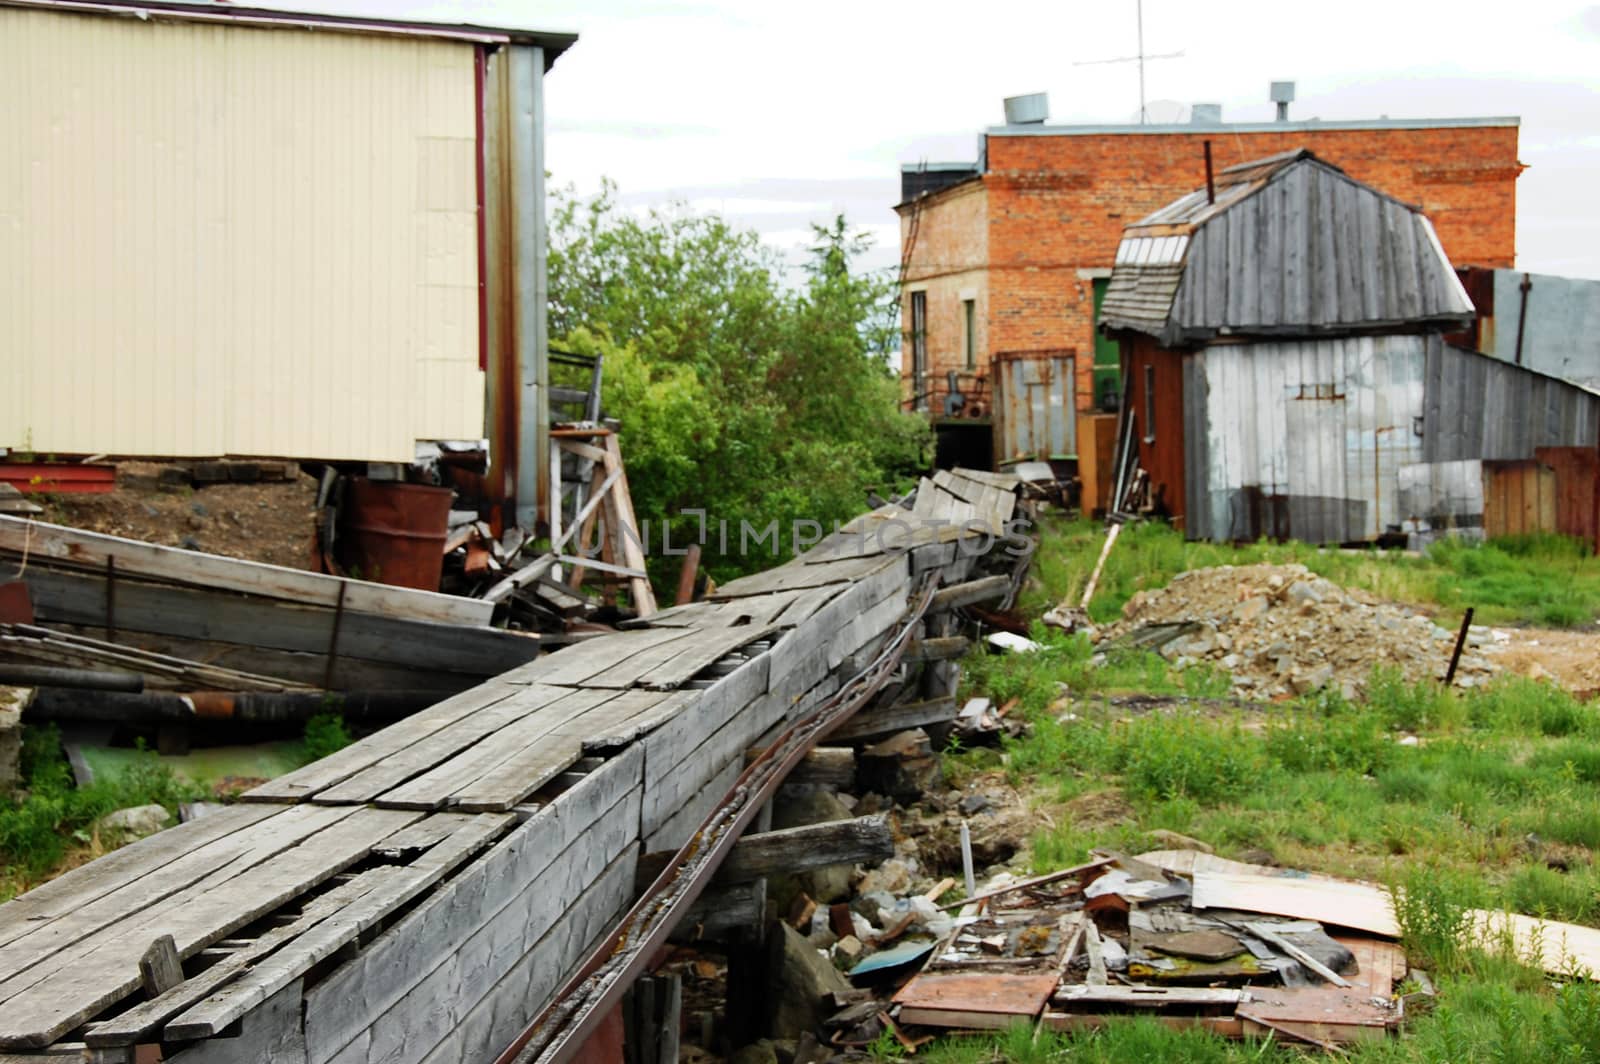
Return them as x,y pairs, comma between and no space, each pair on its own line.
141,1022
91,550
791,850
887,720
220,1009
438,786
440,746
71,891
389,742
69,597
107,970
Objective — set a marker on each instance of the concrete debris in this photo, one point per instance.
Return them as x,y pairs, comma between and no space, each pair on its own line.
138,822
1282,630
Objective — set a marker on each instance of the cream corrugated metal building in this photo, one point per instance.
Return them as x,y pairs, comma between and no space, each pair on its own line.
228,231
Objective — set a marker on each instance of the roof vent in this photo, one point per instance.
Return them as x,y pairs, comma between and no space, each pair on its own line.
1205,114
1282,94
1029,110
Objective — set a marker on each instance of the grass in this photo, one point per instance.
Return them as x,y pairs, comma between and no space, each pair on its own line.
49,819
1542,579
1496,806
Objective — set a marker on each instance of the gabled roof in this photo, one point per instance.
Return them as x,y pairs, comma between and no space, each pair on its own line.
1289,245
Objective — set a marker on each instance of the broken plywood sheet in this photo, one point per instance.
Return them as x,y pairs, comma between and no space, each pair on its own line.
1328,1014
1358,906
1552,946
979,1000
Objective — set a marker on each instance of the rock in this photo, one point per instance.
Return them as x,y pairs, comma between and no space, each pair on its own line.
973,804
1173,840
849,947
1313,680
799,978
825,885
762,1052
139,821
1250,609
891,877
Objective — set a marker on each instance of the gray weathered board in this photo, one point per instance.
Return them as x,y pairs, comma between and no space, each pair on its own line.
422,893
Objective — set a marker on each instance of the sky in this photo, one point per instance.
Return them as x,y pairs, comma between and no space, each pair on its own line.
780,115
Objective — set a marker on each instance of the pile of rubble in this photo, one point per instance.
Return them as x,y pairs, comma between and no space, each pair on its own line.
1282,629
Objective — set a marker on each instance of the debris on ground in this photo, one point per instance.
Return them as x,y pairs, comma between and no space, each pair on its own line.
1282,630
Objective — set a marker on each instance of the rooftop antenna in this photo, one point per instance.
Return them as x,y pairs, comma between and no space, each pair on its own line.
1139,58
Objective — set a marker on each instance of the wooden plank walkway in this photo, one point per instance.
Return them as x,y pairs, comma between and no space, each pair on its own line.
423,892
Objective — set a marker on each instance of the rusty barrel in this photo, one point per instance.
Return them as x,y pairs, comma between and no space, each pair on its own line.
394,532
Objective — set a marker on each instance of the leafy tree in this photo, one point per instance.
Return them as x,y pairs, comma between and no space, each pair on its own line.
737,395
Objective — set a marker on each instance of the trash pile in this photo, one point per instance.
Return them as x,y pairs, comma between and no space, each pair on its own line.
1196,939
1283,630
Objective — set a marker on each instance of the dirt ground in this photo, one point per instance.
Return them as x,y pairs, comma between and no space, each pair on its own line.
1569,656
263,522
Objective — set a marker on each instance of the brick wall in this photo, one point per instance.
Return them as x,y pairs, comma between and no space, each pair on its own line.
949,257
1057,205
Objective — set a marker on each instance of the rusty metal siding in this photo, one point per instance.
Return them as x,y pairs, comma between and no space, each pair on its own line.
1480,407
1035,405
235,240
1305,439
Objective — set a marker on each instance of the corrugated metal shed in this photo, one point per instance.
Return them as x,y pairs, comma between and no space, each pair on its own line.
1291,247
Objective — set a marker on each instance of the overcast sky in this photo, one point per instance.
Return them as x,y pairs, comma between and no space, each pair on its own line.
778,115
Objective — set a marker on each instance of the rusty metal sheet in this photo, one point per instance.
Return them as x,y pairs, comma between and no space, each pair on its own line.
58,477
960,999
1036,405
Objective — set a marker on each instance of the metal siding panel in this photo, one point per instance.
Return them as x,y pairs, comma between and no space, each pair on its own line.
278,227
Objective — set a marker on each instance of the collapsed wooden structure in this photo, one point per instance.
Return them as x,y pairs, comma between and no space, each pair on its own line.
300,627
422,894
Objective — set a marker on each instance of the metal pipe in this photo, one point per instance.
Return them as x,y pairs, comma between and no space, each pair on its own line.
78,679
249,707
1522,313
1461,641
1211,188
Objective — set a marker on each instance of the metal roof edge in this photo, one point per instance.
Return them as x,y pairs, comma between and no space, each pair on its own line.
1251,127
554,43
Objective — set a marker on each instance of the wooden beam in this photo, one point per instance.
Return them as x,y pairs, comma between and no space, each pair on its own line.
983,589
776,853
887,720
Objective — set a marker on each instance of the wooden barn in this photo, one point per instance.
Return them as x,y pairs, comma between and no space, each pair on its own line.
1285,375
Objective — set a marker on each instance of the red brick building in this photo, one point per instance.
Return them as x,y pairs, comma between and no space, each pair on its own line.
1006,259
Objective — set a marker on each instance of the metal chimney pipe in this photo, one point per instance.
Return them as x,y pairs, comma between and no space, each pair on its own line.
1211,188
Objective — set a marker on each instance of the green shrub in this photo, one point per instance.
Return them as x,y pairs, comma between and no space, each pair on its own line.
325,734
1186,756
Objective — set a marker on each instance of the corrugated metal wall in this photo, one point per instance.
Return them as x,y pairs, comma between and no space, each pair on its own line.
227,240
1303,439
